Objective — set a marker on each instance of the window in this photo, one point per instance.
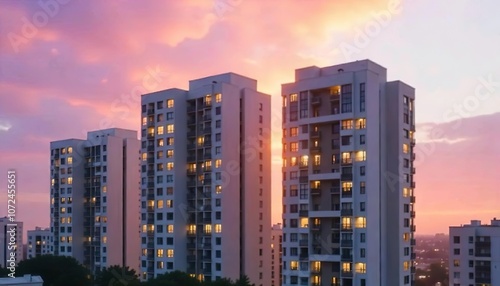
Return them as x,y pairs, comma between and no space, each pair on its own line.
456,251
170,141
217,137
294,131
456,239
406,148
170,115
170,128
218,97
362,97
346,98
347,124
217,110
362,139
170,103
218,124
294,146
160,130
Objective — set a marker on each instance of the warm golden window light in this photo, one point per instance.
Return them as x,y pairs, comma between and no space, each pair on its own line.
170,228
170,253
218,189
144,120
170,128
218,163
170,103
293,97
70,180
70,150
304,222
191,229
294,265
218,97
69,160
208,228
406,265
360,267
346,267
218,228
160,130
159,204
360,222
406,148
360,156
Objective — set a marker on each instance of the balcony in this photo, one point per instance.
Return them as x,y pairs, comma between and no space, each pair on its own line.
346,212
413,256
316,270
346,273
191,245
316,192
303,242
207,143
151,111
191,158
413,228
151,136
413,241
335,96
316,227
346,177
207,117
315,134
303,213
315,149
412,199
413,185
191,133
412,214
303,165
151,148
315,100
191,183
335,190
151,185
207,130
191,258
191,121
303,179
191,172
346,161
191,108
151,160
346,243
207,155
191,146
346,257
413,141
150,173
413,170
347,194
304,256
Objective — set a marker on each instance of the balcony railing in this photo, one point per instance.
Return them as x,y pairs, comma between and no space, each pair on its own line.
315,134
315,191
315,100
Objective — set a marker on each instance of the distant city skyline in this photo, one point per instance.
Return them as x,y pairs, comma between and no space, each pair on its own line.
69,67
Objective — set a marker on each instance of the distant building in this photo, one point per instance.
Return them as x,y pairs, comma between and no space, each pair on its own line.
8,231
27,280
475,254
39,242
348,177
276,252
94,214
206,165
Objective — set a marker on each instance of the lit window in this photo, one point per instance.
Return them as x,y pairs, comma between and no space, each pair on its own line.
317,160
293,97
170,128
294,146
218,97
406,236
170,203
70,180
70,150
346,267
218,163
218,228
294,265
293,161
144,156
160,130
208,228
170,154
360,267
304,222
346,124
104,239
170,165
159,204
304,161
170,253
104,189
192,229
63,151
406,265
218,189
294,131
144,120
406,148
346,223
360,156
159,253
360,222
361,123
406,192
170,103
70,160
170,228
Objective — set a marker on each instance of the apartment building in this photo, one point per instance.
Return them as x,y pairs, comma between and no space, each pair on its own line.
348,187
95,193
475,254
39,242
205,180
11,235
276,248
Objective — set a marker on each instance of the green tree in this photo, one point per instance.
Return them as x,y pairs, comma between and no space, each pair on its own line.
117,276
220,282
244,281
4,272
55,270
175,278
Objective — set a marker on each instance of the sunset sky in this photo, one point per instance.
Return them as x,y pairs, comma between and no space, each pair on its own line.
74,66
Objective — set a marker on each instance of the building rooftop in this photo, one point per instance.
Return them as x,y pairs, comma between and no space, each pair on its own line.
25,280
